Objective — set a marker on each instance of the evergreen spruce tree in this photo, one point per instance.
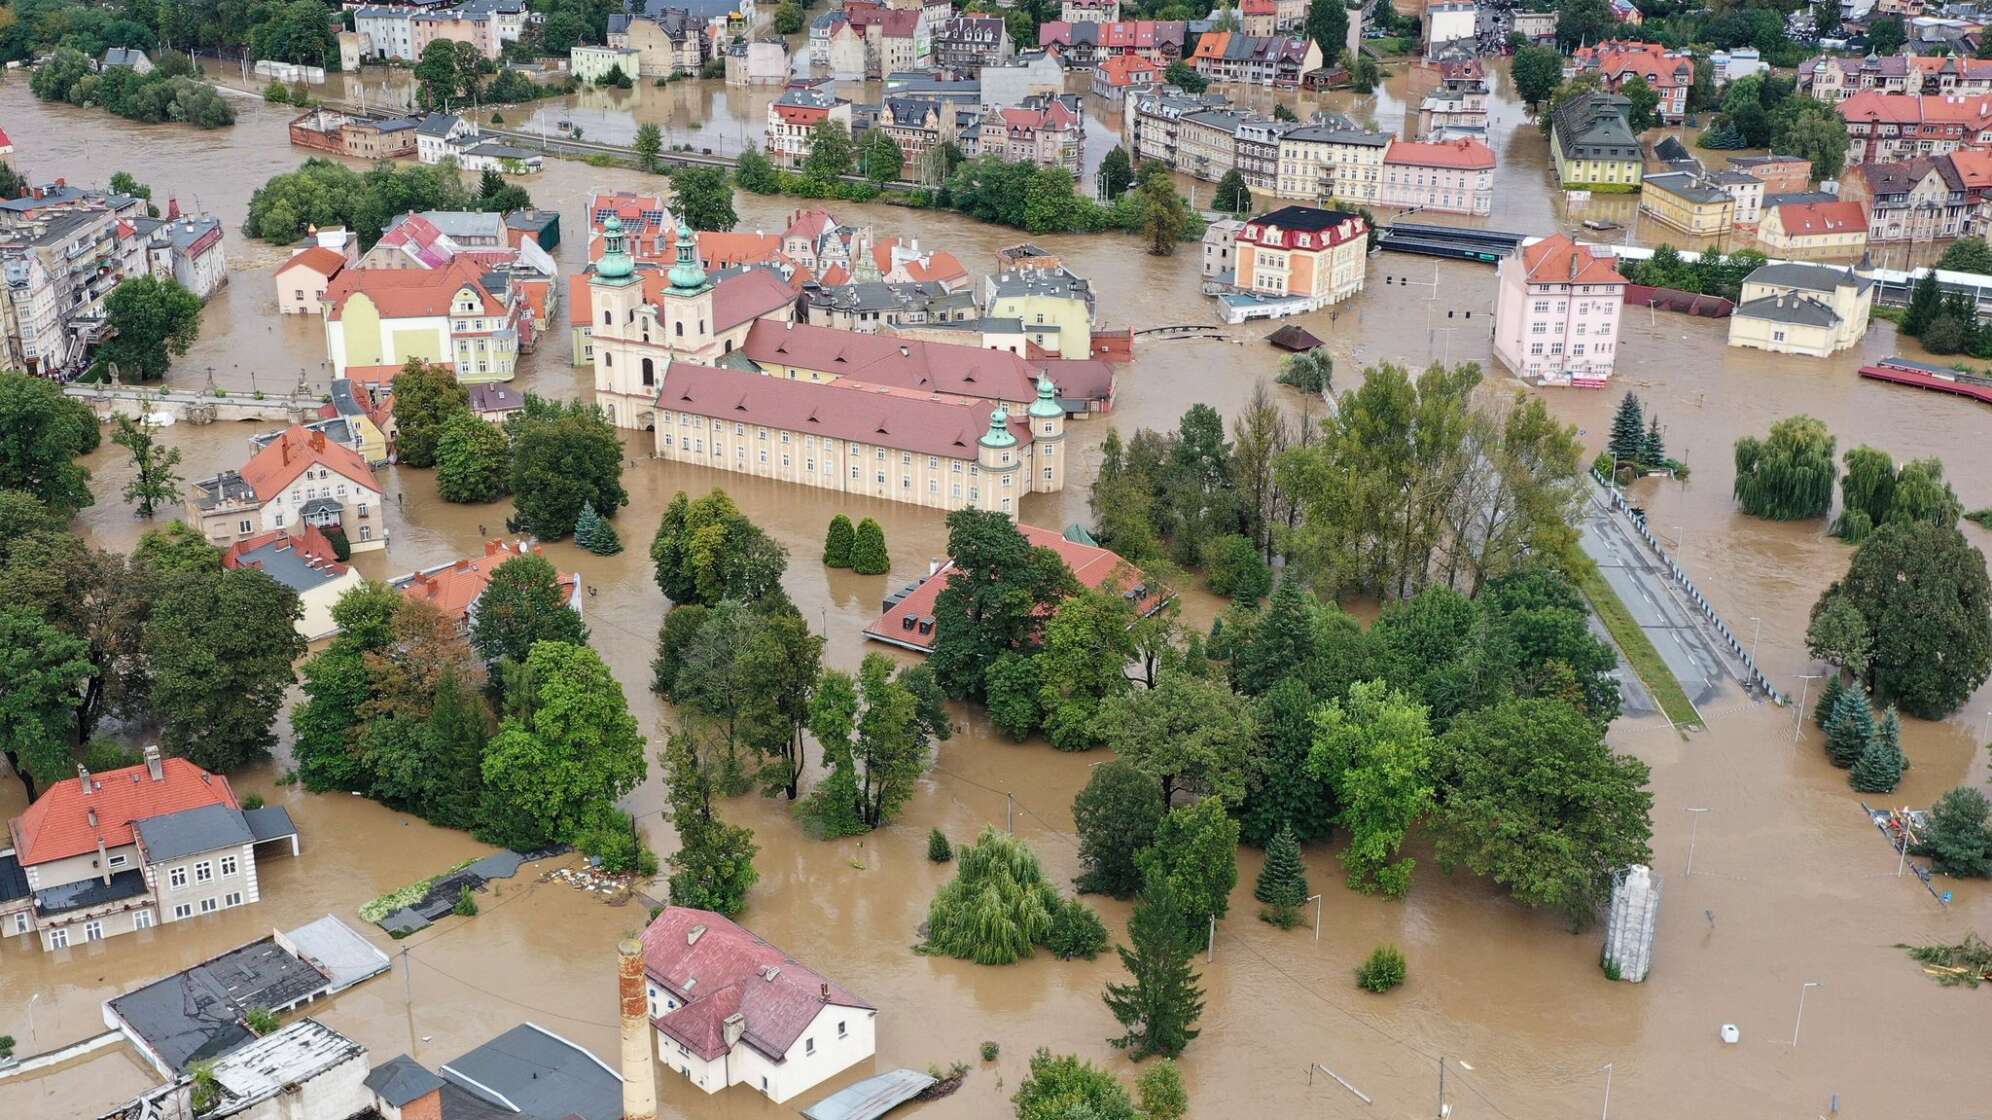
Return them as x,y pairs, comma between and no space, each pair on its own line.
1924,301
1160,1008
1850,728
837,543
1628,430
1282,882
868,555
1881,764
593,532
1828,698
1653,449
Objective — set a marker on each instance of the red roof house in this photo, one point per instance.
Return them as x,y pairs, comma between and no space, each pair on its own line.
73,815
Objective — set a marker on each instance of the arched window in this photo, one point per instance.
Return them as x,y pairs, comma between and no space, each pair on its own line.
680,324
608,318
649,372
729,347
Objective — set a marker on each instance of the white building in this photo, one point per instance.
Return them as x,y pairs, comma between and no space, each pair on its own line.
731,1009
1556,314
188,251
304,1071
386,32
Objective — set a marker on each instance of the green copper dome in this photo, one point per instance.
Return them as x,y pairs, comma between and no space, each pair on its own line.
1046,406
999,434
687,275
616,263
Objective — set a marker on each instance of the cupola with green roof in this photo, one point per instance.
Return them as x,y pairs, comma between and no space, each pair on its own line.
687,277
616,264
999,435
1046,406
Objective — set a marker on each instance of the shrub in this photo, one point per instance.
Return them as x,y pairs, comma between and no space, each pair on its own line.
261,1020
997,908
989,1051
6,1046
938,848
837,543
1383,970
252,802
466,904
610,835
1076,931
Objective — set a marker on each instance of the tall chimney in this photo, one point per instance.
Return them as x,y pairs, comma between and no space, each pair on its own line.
153,766
639,1078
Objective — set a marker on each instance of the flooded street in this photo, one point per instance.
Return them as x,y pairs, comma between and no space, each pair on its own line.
1790,884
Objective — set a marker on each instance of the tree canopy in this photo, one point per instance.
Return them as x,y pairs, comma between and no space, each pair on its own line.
1921,590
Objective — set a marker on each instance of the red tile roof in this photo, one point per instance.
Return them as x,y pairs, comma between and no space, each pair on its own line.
288,456
1812,219
1974,167
453,588
406,293
715,968
318,259
1560,260
1874,106
580,309
1464,154
58,826
1091,565
921,422
925,367
1127,69
306,542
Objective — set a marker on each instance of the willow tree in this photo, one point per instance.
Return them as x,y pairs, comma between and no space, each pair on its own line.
998,907
1874,493
1789,476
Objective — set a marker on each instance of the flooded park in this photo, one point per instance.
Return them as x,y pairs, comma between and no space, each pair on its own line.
1790,883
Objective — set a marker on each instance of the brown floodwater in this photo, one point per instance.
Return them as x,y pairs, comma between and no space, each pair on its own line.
1790,885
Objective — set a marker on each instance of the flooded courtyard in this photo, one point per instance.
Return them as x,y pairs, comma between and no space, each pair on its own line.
1790,885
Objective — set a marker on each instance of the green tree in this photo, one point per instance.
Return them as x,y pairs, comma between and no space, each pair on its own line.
706,550
837,543
1923,592
1282,884
473,458
1087,645
868,554
831,152
874,732
938,848
1849,728
999,591
1076,932
1879,769
436,75
595,533
1070,1088
1627,430
1375,748
704,198
221,645
523,605
1537,71
1116,815
564,456
1311,372
713,868
1160,1006
879,157
649,144
39,667
1924,302
1196,851
151,320
1116,173
426,396
1186,78
153,481
1645,102
1957,840
1232,194
41,434
754,172
1237,571
1328,25
997,908
572,747
1168,217
13,184
1284,794
1967,254
1788,477
783,660
1186,734
789,19
1161,1093
1013,691
1533,798
1886,36
1816,132
1653,449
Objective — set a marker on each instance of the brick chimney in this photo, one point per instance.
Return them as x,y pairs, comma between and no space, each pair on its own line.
638,1058
154,768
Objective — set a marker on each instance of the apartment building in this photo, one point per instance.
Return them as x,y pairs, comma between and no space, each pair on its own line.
1458,107
62,251
1668,73
1453,177
1332,159
1320,256
1592,144
1805,309
1814,230
302,478
1834,79
1272,60
125,850
793,115
667,41
1883,127
1556,314
1046,130
963,45
460,315
1921,199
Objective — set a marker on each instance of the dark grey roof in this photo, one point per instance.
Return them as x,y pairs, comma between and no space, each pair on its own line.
1811,277
343,400
438,124
543,1076
225,488
90,892
1688,185
192,831
1793,197
401,1079
1670,149
281,560
271,822
495,398
321,505
460,1103
197,1014
13,881
1593,126
1308,218
124,56
1797,309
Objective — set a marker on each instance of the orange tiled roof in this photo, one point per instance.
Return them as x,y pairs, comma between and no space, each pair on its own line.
58,826
1813,219
1464,153
452,589
407,293
279,463
318,259
1560,260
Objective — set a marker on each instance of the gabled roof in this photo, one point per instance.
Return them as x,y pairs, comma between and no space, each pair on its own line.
300,560
1796,309
1810,277
925,367
1558,259
454,588
297,450
540,1076
189,832
1818,218
318,259
1462,154
58,824
401,1079
407,293
719,968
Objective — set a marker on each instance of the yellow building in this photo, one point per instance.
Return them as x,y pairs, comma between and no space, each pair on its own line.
1332,159
1682,200
385,316
1054,306
1593,146
1806,309
1814,230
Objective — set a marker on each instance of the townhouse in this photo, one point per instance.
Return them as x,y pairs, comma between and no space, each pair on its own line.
325,130
1048,131
793,115
1054,306
667,41
1779,174
1458,107
1120,76
1273,60
761,61
874,306
1081,46
299,479
1454,177
459,315
1834,79
1882,127
1919,199
1669,74
1557,312
963,45
1705,203
593,62
62,252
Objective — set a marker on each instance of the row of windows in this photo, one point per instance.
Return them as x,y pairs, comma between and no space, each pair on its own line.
203,872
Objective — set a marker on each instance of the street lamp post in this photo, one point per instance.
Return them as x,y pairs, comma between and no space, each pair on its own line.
1606,1069
1755,635
1316,900
1692,829
1797,1022
1798,720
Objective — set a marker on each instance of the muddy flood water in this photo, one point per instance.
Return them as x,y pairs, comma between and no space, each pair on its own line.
1790,884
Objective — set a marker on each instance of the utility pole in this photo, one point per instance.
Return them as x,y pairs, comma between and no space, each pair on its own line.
1690,872
408,997
1798,717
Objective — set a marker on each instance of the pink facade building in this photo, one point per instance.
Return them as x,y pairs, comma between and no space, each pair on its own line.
1556,314
1456,176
